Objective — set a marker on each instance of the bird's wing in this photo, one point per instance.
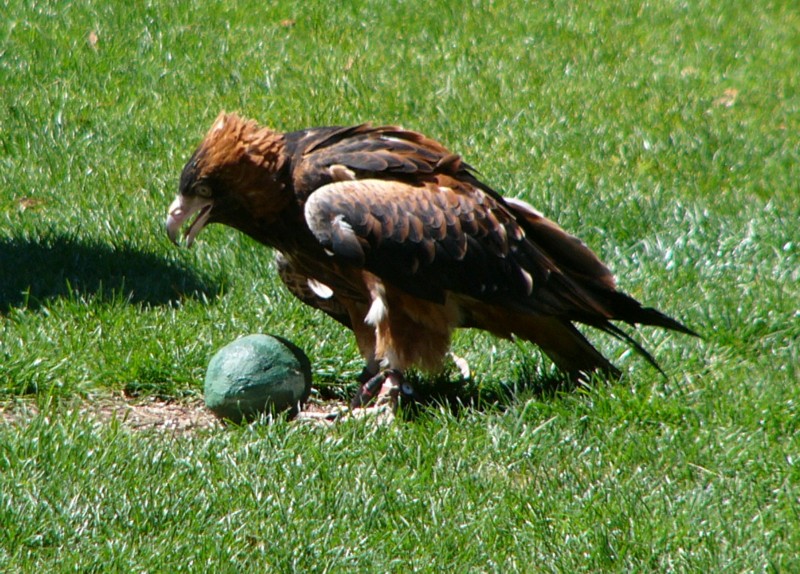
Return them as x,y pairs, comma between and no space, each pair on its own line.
324,155
418,216
439,236
571,254
403,207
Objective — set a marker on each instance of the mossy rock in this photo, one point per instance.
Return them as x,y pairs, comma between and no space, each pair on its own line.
257,375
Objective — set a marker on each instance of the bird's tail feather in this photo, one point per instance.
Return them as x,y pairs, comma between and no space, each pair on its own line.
566,346
621,307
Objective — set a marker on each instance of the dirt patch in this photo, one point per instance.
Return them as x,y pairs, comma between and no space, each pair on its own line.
178,416
154,414
137,414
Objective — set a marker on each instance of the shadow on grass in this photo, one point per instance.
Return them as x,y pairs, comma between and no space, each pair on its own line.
460,395
33,272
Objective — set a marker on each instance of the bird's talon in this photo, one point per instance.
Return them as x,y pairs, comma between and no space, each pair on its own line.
385,387
368,391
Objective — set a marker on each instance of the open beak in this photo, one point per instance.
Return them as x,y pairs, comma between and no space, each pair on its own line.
181,210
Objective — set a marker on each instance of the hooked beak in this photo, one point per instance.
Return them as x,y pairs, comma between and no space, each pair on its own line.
181,210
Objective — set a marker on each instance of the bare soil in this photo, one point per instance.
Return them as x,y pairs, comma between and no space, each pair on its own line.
175,416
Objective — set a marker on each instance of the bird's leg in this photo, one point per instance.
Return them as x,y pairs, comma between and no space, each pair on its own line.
386,387
370,370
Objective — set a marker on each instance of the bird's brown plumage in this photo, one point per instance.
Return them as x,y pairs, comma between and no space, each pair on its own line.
393,236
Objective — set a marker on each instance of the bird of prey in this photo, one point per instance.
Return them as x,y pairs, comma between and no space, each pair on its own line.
397,239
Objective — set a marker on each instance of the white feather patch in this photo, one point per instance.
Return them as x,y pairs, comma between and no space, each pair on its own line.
320,289
377,312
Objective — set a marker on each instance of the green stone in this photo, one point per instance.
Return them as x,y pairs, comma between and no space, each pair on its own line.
255,375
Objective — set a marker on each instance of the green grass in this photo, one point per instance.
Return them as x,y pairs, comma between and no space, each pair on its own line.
664,134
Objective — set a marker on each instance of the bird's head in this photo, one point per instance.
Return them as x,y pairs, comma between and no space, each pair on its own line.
232,178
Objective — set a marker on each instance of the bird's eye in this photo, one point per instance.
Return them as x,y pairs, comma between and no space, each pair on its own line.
202,190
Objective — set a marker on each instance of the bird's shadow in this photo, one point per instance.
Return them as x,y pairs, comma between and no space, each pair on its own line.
36,271
460,395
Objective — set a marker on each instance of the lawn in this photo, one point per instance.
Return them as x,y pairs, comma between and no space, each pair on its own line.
665,134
